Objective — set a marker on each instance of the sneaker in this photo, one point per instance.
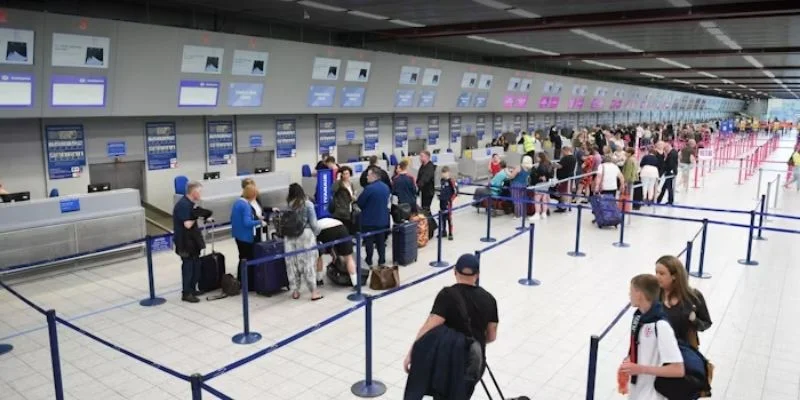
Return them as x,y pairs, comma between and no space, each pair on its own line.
190,298
544,216
534,217
198,293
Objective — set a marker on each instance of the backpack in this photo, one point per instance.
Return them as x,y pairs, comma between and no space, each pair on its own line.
697,380
292,223
340,207
474,367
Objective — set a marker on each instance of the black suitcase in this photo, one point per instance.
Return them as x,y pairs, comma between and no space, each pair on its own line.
497,386
337,273
212,268
638,195
269,277
404,243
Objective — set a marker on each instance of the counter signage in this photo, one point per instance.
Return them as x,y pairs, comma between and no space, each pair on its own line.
116,149
219,135
464,100
69,205
427,98
517,123
531,122
404,98
433,130
256,141
285,138
455,128
400,131
161,243
480,126
162,145
480,99
498,126
66,151
371,133
327,135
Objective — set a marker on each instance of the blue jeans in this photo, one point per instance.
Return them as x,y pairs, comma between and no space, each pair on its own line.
372,241
190,270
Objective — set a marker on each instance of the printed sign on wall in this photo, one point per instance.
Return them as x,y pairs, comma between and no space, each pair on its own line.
66,151
202,60
480,126
16,46
433,130
455,128
400,131
285,138
219,136
162,145
327,135
371,133
80,51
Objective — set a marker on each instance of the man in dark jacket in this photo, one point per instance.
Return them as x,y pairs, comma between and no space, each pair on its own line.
463,307
566,169
384,176
374,204
188,239
425,179
669,172
404,187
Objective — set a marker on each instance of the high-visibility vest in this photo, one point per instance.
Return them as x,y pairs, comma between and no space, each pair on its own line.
528,144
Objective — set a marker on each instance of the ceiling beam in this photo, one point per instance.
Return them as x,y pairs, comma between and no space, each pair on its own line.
707,69
661,54
754,9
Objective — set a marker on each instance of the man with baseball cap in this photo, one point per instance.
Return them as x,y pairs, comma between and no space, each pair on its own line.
480,321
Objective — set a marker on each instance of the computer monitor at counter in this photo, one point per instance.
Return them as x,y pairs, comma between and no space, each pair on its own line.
210,175
99,187
15,197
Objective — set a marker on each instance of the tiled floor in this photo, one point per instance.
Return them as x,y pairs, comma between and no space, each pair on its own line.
542,349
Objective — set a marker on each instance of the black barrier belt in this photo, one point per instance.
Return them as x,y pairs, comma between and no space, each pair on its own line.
22,298
71,256
215,392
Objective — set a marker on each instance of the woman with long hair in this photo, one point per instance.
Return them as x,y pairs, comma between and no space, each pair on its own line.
246,221
587,167
544,173
301,267
519,186
686,308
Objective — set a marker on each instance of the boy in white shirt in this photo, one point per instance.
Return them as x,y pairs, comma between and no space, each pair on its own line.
653,350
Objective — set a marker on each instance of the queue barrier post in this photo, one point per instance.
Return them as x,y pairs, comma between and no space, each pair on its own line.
594,344
246,337
5,348
577,252
151,301
196,381
439,263
368,388
357,295
749,260
703,237
55,358
696,173
689,249
741,170
524,207
777,189
768,200
478,256
621,243
761,217
529,281
758,187
489,238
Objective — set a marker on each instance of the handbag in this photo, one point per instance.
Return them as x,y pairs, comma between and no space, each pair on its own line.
384,278
355,217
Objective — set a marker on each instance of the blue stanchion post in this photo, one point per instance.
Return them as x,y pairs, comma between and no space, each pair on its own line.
55,358
439,263
5,348
689,248
196,381
577,252
594,344
524,216
703,236
529,281
357,295
151,301
761,217
368,388
749,260
489,238
246,337
621,243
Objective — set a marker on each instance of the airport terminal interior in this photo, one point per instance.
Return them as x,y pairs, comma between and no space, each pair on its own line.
611,189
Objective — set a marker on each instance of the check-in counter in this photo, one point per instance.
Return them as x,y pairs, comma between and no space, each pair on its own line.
441,160
476,164
219,194
58,227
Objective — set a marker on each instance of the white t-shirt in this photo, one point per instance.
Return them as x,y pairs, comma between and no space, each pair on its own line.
609,172
325,223
654,350
259,213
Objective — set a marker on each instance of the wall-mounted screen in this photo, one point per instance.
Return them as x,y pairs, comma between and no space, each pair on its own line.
431,77
245,94
485,82
321,96
16,46
77,91
326,69
80,51
427,99
249,63
526,85
353,96
404,98
464,99
357,71
202,60
514,84
198,93
469,80
16,90
409,75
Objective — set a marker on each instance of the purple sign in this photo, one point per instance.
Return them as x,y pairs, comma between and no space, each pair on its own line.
521,101
245,94
597,104
508,101
77,91
16,90
544,102
553,103
198,94
576,103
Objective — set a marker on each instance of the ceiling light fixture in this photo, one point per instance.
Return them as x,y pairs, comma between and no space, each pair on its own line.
704,73
752,60
367,15
708,24
406,23
321,6
672,62
682,81
493,4
540,51
604,65
703,86
523,13
769,74
652,75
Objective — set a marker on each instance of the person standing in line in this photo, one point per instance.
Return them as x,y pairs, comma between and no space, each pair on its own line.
610,177
384,176
374,204
188,239
494,165
520,179
301,267
565,170
685,306
425,179
448,192
794,164
688,158
404,186
528,145
246,220
542,175
670,170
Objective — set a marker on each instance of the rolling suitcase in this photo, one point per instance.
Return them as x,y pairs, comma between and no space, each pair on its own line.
269,277
212,267
605,210
497,386
404,243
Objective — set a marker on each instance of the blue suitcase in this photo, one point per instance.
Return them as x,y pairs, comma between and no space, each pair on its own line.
605,210
404,243
269,277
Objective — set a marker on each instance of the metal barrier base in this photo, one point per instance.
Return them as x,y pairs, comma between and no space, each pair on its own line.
576,254
246,338
748,262
364,390
154,302
5,348
621,245
529,282
355,296
761,238
704,275
439,264
488,239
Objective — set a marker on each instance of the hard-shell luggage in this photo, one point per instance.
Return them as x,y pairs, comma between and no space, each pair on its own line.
433,226
497,386
212,267
422,229
638,195
269,277
404,243
605,210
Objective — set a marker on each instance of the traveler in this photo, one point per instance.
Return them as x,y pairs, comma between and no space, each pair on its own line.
542,175
649,175
188,239
630,172
332,230
465,308
653,350
587,167
669,172
685,307
246,219
448,192
374,204
494,165
498,181
344,181
565,170
688,156
404,187
384,176
528,145
794,164
300,267
520,179
610,178
425,179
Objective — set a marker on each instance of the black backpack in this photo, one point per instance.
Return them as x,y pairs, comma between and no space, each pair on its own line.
292,223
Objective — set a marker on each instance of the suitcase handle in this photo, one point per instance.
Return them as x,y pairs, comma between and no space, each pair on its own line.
213,224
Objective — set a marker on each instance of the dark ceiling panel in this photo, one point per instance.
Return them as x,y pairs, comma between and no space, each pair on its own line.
660,37
556,41
549,8
427,12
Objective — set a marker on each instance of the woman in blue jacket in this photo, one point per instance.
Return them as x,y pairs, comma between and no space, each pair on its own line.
246,221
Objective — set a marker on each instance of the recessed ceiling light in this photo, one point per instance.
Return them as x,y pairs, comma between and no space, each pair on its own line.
704,73
652,75
768,73
406,23
367,15
321,6
523,13
545,52
752,60
703,86
602,64
752,90
682,81
475,37
493,4
708,24
672,62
